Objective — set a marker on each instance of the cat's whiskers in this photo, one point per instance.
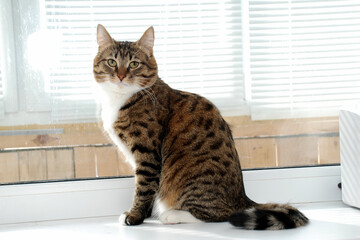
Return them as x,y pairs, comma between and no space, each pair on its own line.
145,92
151,95
146,80
142,93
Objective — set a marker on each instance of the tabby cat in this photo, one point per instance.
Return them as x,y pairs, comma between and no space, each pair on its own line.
181,148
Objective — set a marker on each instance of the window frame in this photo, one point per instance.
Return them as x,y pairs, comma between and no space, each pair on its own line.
22,103
8,66
106,197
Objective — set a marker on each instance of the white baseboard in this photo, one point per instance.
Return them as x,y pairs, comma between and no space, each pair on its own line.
92,198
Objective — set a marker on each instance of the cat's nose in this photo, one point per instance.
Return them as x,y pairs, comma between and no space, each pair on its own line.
121,72
121,77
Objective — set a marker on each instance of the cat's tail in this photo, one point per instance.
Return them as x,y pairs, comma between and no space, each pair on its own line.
269,217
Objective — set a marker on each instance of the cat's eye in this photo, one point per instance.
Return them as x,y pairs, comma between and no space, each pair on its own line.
133,65
112,63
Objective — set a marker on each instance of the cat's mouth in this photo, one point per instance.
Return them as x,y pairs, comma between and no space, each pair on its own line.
122,83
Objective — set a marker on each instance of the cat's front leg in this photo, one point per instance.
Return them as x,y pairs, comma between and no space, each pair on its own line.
147,177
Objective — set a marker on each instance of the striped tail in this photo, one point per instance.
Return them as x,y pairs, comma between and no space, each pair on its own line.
269,217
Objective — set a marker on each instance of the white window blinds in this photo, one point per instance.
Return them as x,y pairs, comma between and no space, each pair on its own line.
197,46
304,57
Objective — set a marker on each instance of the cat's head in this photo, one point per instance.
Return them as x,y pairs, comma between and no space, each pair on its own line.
125,66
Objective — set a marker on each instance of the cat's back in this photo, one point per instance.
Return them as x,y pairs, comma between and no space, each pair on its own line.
199,159
195,124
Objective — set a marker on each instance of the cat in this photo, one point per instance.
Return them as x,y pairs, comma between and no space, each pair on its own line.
181,148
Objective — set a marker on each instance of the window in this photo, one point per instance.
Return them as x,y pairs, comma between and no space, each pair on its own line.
278,71
304,57
198,48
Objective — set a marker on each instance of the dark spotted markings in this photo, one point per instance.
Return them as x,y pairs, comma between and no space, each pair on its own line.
155,167
150,133
143,149
216,145
193,106
145,193
140,123
135,133
210,135
208,124
208,107
145,173
198,146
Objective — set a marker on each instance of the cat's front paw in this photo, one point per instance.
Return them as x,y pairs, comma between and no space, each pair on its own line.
122,219
128,219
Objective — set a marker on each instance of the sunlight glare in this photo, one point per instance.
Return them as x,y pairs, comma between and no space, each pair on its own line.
44,49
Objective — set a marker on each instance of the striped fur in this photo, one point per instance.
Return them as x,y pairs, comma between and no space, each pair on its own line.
180,146
268,217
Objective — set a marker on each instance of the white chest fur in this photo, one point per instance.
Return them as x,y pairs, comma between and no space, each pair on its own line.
112,100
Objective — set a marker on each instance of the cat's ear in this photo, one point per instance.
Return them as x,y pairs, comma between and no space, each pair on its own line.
103,37
147,40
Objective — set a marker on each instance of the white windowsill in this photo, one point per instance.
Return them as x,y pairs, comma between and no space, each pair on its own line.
90,209
95,198
331,220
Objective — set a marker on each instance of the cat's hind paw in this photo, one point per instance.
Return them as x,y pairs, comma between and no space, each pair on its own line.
177,216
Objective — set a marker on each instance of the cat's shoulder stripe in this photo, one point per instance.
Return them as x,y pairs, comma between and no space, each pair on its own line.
128,105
